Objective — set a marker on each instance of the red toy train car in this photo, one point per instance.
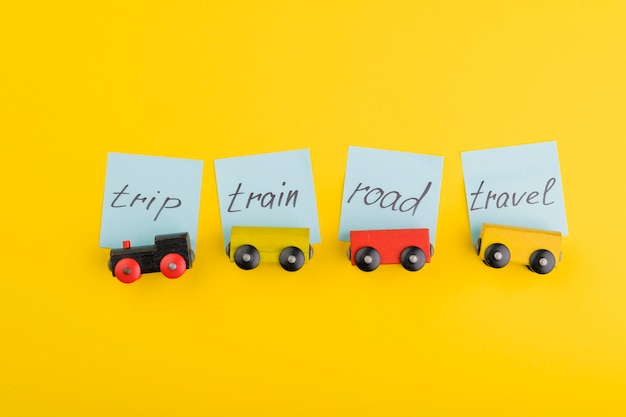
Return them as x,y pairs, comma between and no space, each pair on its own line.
171,254
409,247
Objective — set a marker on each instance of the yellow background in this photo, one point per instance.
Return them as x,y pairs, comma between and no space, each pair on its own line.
205,80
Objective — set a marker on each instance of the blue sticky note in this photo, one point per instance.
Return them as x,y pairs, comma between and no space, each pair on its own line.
146,196
272,189
390,190
515,186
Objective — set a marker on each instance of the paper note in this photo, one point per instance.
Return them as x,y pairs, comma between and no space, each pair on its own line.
516,186
390,190
146,196
273,189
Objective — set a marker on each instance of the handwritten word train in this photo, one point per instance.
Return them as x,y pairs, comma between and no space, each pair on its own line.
267,199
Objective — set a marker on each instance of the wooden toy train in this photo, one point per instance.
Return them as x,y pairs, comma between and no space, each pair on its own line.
289,246
171,254
539,250
497,246
409,247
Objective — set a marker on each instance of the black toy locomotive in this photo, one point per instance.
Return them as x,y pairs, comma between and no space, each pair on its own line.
171,254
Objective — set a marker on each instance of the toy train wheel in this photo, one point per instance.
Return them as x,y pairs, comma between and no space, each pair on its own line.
497,255
413,258
127,270
247,257
291,258
542,261
173,265
367,259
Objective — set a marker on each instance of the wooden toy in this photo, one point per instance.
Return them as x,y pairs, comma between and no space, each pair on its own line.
171,254
409,247
288,246
499,245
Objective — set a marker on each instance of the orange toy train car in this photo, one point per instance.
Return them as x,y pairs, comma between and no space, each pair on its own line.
499,245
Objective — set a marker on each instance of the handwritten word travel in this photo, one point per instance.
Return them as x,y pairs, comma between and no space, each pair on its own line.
510,199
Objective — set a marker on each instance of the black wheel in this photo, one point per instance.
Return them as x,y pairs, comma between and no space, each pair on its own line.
432,250
227,249
413,258
247,257
349,253
542,261
497,255
311,252
291,258
367,259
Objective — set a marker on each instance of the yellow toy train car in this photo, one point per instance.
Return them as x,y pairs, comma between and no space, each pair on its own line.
289,246
499,245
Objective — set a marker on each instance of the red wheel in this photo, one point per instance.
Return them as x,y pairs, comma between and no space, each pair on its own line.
127,270
173,265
